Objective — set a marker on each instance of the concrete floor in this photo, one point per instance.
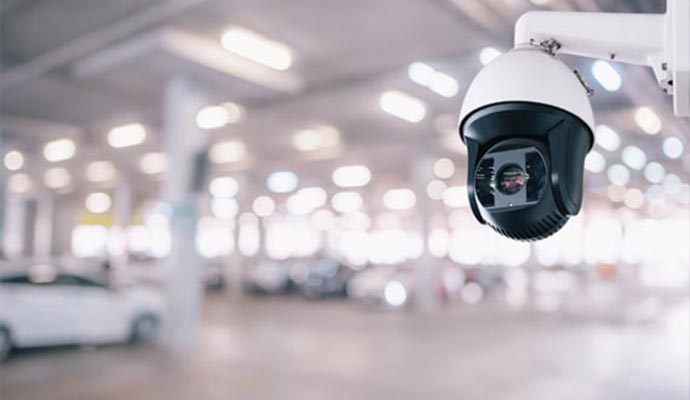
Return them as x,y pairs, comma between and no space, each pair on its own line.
289,348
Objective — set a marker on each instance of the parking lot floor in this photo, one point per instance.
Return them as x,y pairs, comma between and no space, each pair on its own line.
288,348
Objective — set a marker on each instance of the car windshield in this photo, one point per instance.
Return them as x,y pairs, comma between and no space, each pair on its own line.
61,279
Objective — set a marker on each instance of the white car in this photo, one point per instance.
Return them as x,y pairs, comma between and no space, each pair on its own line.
43,308
390,285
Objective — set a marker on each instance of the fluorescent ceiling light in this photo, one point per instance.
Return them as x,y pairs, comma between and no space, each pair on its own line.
618,174
607,76
14,160
100,171
346,202
351,176
607,138
654,172
399,199
314,196
435,189
673,147
211,117
223,187
282,182
59,150
98,202
403,106
57,178
263,206
438,82
456,196
634,157
672,184
595,162
488,54
647,120
316,138
257,48
444,168
224,208
127,135
227,152
217,116
153,163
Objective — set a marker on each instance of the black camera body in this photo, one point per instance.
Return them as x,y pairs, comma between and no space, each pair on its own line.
525,167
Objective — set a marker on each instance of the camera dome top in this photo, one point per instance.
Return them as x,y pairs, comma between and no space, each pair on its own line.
530,75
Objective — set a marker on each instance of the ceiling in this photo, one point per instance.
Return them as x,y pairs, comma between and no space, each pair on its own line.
346,55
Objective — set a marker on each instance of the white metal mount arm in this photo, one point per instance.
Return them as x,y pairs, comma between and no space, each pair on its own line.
660,41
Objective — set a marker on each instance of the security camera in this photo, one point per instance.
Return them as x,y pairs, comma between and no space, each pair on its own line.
527,121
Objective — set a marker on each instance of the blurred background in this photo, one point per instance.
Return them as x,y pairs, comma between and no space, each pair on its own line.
266,199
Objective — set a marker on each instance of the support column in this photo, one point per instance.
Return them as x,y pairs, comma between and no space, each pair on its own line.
3,203
427,271
236,270
123,216
43,226
16,226
184,143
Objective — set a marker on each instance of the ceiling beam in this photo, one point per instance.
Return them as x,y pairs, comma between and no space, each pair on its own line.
205,54
94,41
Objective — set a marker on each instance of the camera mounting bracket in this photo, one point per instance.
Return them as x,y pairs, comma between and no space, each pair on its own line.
659,41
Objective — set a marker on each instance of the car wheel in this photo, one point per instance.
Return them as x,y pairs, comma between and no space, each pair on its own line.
5,343
144,329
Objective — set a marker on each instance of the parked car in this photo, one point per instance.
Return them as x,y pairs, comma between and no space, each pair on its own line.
214,276
152,272
387,285
394,285
43,307
267,277
320,277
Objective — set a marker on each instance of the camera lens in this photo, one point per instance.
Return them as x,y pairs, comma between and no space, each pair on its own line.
511,179
483,179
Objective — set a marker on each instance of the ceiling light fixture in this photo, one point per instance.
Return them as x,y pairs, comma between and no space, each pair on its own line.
436,81
403,106
607,76
647,120
257,48
127,135
227,152
14,160
59,150
488,54
351,176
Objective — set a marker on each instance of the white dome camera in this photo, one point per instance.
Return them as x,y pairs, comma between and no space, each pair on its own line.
527,121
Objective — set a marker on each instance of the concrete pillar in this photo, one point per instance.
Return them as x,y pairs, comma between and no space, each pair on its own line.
14,238
184,143
427,271
122,208
236,265
66,216
3,185
262,253
43,226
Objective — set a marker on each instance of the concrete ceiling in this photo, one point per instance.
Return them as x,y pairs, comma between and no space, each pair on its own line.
347,53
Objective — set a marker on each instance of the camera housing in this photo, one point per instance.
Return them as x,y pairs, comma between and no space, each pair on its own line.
527,124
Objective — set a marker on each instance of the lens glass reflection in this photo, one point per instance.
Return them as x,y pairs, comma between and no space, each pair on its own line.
511,179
